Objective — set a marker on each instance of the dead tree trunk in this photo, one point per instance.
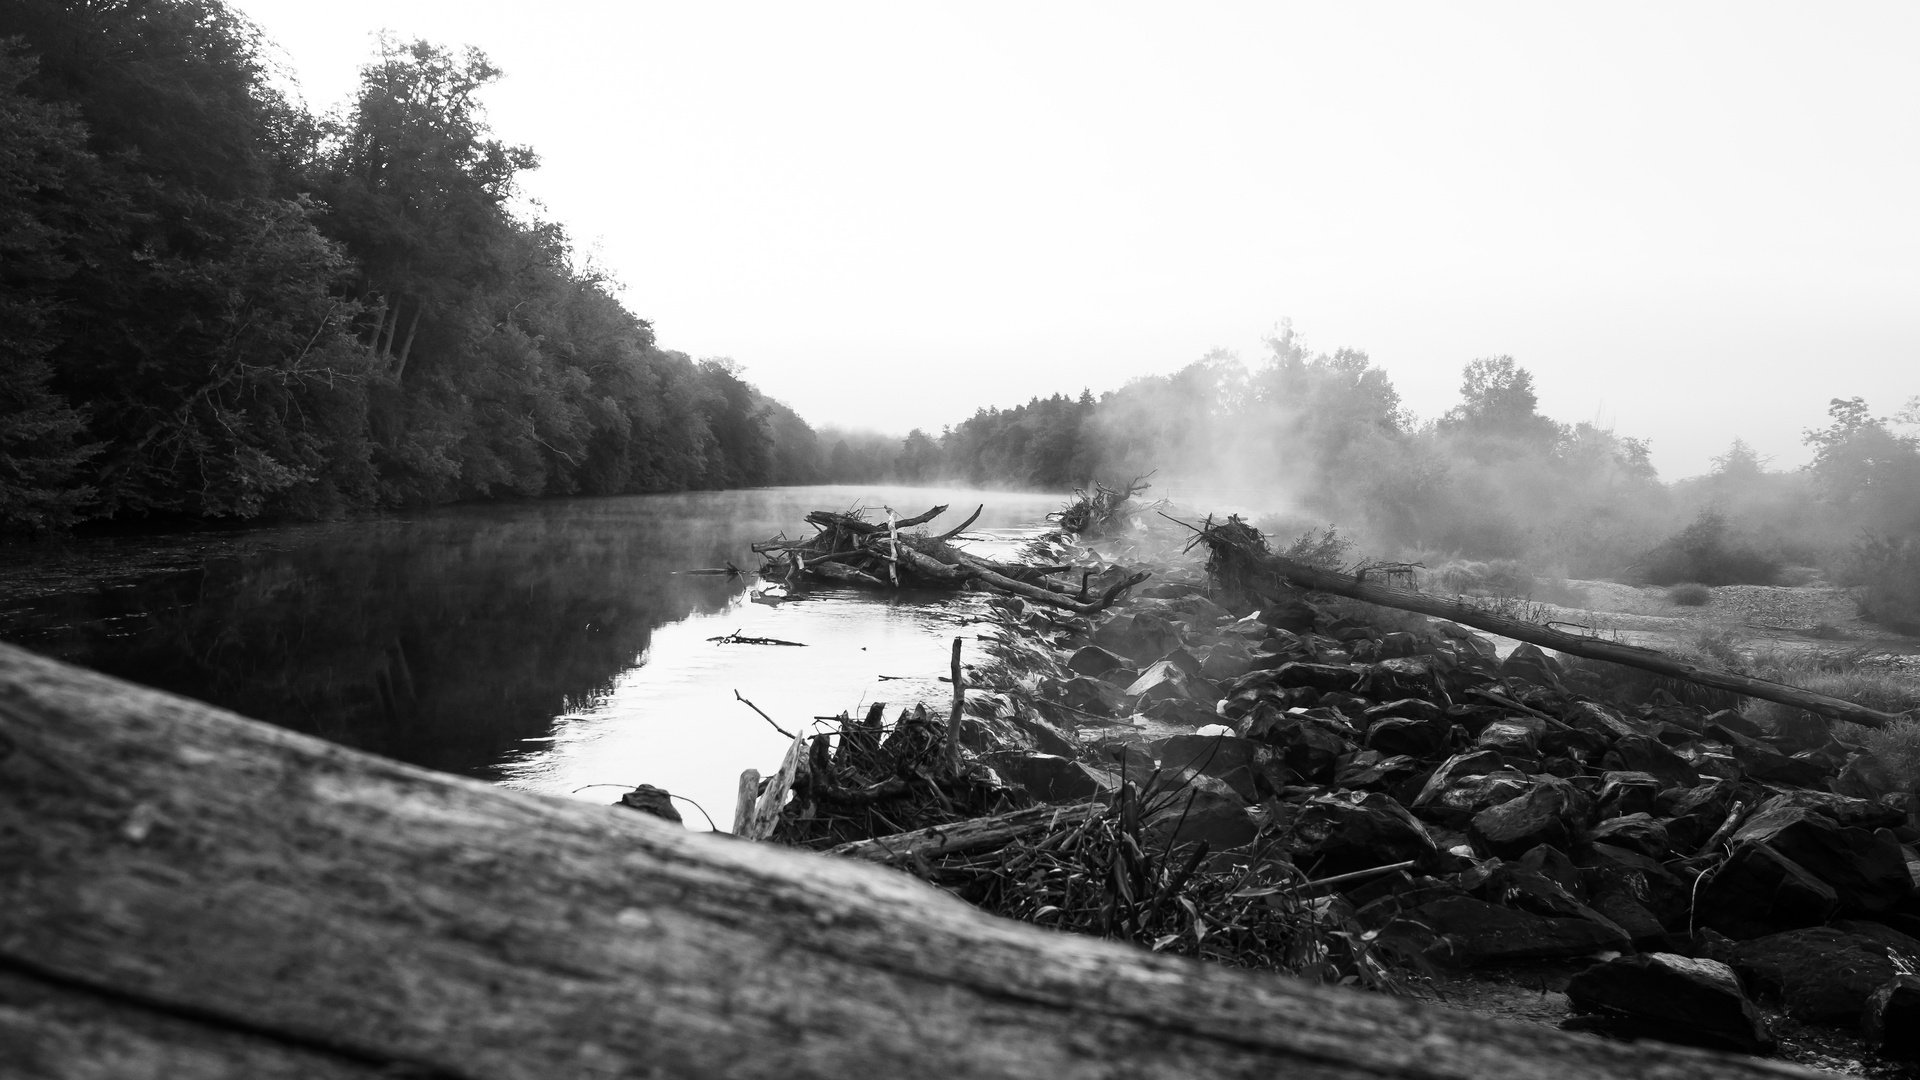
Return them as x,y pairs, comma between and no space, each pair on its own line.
1242,565
186,893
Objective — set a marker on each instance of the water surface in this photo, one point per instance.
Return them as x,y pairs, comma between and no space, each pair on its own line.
546,645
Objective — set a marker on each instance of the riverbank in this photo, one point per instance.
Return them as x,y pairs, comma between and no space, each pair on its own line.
1361,796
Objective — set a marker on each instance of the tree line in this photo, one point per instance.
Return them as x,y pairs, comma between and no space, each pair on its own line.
215,304
1492,479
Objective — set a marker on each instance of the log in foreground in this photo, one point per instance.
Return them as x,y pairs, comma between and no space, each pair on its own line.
1240,558
187,893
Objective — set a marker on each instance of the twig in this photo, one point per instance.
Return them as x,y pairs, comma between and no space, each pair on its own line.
763,716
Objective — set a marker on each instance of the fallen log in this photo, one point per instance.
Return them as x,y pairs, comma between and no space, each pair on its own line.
1239,558
187,893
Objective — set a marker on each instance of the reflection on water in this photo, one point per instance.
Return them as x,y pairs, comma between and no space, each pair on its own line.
546,645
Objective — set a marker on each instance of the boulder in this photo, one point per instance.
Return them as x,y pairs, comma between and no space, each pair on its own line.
1867,870
1311,746
1336,834
1046,777
1406,709
1142,638
1644,753
1635,832
1205,812
1625,792
1822,975
1727,720
1863,777
1466,784
1694,814
1891,1019
1465,931
1234,761
1530,664
1423,738
1321,677
1293,615
1513,737
1766,764
1759,891
1088,695
1370,770
1598,719
1545,814
1167,681
1227,660
1676,999
1607,867
1094,660
1406,677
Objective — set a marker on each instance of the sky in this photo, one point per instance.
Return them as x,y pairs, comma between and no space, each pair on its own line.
1691,221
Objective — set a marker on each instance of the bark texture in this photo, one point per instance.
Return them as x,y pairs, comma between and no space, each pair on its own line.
184,892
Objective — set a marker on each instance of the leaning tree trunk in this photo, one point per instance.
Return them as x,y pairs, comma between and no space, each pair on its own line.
1258,571
185,893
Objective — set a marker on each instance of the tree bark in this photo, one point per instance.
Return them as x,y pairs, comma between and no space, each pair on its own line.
180,886
1312,577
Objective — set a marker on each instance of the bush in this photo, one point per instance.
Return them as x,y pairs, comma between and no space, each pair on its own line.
1887,570
1692,594
1707,552
1495,577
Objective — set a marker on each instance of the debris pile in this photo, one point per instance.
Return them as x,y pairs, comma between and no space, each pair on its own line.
1235,769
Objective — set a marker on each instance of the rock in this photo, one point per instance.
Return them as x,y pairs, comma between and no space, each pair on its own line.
1635,832
1858,813
1624,792
1866,870
1616,902
1407,677
651,800
1891,1019
1414,738
1822,975
1644,753
1321,677
1863,777
1309,745
1729,720
1514,737
1764,763
1166,681
1046,777
1406,709
1675,998
1228,758
1142,638
1094,660
1370,770
1468,931
1046,737
1759,891
1227,660
1608,867
1554,864
1292,615
1598,719
1337,834
1529,664
1466,784
1545,814
1089,695
1694,814
1203,814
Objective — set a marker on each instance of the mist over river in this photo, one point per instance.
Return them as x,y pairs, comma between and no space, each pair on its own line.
543,645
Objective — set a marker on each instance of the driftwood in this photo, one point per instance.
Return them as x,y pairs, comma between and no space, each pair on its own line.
963,837
851,550
1240,558
189,894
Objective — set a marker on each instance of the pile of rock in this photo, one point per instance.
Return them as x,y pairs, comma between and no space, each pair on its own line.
1709,855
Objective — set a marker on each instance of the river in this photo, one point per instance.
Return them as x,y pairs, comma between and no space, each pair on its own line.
546,646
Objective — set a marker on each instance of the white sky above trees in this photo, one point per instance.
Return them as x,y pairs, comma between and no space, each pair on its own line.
1690,221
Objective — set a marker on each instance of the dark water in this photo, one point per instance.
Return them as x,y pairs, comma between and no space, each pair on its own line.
546,645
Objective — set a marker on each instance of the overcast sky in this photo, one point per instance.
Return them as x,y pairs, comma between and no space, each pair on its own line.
1691,221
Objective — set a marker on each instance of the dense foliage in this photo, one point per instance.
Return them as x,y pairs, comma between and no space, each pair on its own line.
214,304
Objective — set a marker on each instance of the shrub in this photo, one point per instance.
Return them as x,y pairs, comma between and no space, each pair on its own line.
1692,594
1887,571
1707,552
